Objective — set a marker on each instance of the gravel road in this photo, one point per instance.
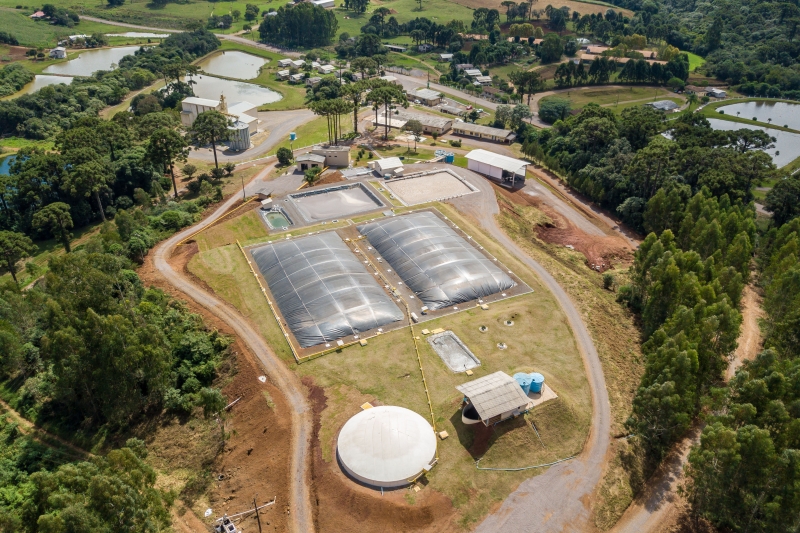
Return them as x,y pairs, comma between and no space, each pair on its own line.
283,378
557,500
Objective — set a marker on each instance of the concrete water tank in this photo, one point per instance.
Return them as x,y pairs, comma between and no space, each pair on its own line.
524,381
537,382
239,136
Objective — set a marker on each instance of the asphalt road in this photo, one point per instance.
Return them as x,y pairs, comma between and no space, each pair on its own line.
558,500
279,124
301,518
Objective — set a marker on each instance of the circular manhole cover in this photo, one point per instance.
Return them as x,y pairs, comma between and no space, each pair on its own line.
509,322
502,345
483,329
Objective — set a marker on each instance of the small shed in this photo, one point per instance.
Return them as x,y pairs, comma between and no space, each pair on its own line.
495,397
388,165
297,78
445,57
313,81
425,47
395,48
309,160
713,92
59,52
299,63
283,75
326,69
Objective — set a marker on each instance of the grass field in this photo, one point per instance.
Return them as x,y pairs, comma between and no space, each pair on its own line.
31,33
386,370
439,11
695,61
604,96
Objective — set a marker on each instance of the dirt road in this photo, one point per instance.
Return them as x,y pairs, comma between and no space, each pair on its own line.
657,508
279,373
558,500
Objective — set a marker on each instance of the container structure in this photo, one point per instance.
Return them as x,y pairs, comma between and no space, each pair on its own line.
386,446
524,381
537,382
239,136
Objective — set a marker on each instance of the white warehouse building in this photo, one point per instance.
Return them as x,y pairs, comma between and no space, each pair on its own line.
243,112
497,166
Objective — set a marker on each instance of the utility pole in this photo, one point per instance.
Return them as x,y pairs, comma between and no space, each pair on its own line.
243,195
258,516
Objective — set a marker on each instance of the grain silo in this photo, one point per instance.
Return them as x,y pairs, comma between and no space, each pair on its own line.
239,137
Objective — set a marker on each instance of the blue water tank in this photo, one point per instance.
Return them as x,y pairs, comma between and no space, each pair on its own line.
449,158
524,381
537,381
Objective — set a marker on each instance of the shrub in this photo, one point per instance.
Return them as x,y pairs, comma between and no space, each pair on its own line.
455,144
608,281
284,155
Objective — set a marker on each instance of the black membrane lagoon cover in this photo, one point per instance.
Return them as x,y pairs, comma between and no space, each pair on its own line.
323,291
434,261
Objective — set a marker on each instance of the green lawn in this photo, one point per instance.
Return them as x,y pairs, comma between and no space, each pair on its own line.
31,33
439,11
580,97
694,61
313,132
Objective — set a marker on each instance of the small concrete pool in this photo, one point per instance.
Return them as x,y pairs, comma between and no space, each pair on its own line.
277,219
335,202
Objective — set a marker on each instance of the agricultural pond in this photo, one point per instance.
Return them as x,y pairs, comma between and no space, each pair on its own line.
781,113
43,80
787,144
91,61
235,91
233,64
139,35
5,165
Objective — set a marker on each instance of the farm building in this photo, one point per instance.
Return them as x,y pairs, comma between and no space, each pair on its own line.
313,81
297,78
496,166
473,72
327,4
445,57
285,62
713,92
326,69
468,129
283,75
483,80
663,105
395,48
244,112
59,52
492,399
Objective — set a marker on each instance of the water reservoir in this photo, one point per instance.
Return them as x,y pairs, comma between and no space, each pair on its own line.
537,382
524,381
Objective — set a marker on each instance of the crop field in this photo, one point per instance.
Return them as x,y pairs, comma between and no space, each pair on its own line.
386,371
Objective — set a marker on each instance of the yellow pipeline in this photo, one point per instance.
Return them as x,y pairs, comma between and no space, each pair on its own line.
217,221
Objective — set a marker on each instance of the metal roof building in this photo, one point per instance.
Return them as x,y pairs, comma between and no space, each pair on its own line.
484,132
496,166
496,397
386,446
663,105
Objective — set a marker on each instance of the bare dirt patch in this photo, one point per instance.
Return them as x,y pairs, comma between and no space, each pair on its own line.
600,252
332,176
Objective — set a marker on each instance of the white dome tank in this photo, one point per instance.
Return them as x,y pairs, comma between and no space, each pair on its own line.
386,446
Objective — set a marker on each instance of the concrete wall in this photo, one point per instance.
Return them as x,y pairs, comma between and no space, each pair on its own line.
483,168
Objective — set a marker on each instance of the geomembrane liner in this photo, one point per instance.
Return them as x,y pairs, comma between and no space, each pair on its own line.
322,289
434,261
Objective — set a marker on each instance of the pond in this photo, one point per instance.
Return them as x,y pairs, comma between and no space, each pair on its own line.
234,91
233,65
139,35
43,80
781,113
92,61
5,165
787,144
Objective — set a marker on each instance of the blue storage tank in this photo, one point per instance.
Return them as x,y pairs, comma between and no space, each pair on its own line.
524,381
449,158
537,381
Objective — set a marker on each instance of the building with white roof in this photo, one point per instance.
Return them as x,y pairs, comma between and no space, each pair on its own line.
484,80
426,96
283,74
473,72
445,57
242,112
388,166
299,63
495,397
390,79
326,69
386,446
284,62
59,52
497,166
327,4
